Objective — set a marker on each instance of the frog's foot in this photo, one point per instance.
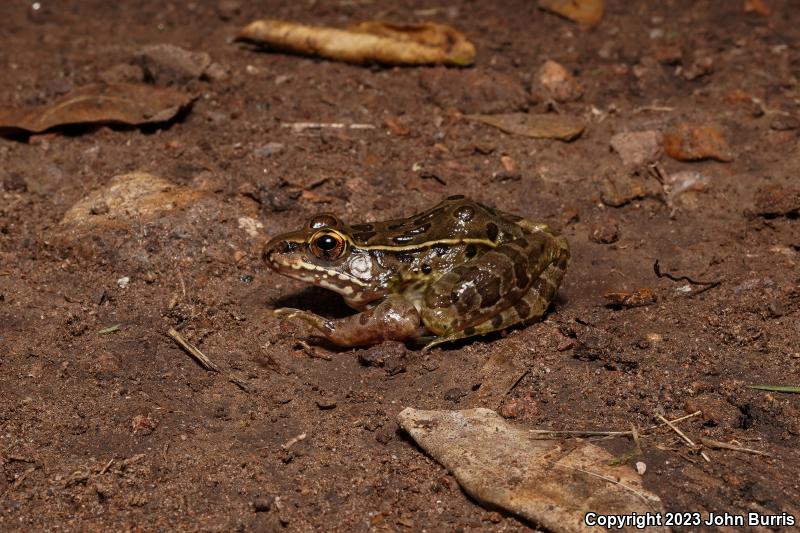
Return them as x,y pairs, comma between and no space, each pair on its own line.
393,319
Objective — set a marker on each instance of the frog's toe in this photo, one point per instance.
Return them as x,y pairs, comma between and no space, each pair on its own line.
286,312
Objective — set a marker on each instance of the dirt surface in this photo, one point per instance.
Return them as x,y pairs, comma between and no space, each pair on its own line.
121,429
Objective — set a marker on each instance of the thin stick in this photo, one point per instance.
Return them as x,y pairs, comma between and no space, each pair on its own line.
706,284
196,354
648,501
108,465
581,433
726,446
636,440
204,361
682,435
664,109
299,127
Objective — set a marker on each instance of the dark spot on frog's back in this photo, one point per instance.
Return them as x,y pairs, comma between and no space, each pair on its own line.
363,236
492,231
497,321
489,289
362,227
471,251
410,234
522,308
428,216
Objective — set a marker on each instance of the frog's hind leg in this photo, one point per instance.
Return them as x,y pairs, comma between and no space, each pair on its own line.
530,307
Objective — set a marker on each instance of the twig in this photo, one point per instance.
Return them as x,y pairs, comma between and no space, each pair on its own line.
105,468
310,351
726,446
682,435
204,361
294,440
665,109
581,433
636,440
299,127
648,501
5,273
708,284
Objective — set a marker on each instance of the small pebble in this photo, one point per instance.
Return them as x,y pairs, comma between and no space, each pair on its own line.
326,404
269,149
123,282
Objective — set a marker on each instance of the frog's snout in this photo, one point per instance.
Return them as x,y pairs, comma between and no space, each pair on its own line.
277,251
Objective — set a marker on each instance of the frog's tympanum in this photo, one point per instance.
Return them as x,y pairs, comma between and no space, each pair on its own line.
457,270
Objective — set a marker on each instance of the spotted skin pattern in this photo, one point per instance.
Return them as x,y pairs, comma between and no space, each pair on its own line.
457,270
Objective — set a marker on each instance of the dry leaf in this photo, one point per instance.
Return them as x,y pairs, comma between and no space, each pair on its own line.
635,298
548,482
693,142
756,6
117,103
584,12
424,44
538,126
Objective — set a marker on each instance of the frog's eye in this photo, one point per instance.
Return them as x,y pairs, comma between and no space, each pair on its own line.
327,245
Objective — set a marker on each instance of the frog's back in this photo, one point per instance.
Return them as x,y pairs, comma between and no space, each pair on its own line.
456,218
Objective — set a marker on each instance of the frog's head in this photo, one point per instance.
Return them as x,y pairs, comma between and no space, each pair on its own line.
323,253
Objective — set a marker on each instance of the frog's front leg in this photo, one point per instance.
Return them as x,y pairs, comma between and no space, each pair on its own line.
395,318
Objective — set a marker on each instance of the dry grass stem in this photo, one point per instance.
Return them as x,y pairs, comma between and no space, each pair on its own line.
682,435
727,446
204,361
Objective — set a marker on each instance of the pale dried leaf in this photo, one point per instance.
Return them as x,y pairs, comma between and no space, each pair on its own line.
584,12
373,41
538,126
548,482
115,103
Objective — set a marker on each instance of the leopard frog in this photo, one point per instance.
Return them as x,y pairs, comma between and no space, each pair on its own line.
456,270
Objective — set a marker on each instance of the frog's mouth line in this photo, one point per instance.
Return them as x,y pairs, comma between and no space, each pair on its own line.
317,275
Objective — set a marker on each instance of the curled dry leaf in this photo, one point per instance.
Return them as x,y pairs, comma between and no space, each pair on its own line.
115,103
373,41
635,298
584,12
694,142
538,126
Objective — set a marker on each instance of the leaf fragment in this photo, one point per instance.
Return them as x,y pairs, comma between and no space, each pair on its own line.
113,103
538,126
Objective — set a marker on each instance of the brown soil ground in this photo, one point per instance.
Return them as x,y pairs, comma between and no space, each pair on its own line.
122,430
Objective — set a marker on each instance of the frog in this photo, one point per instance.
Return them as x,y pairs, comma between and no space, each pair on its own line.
457,270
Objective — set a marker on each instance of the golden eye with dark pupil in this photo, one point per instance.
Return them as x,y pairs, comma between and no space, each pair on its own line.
327,245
